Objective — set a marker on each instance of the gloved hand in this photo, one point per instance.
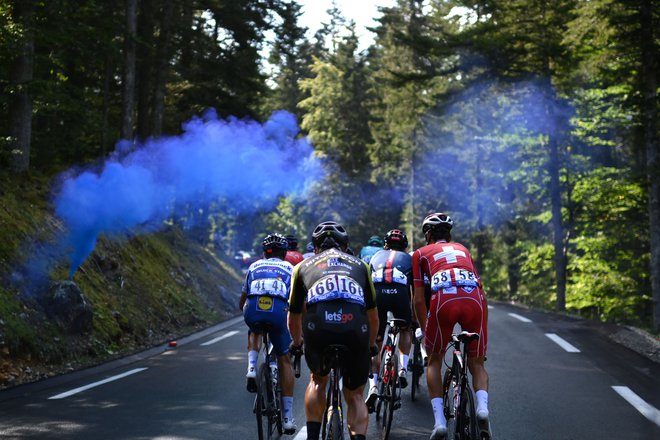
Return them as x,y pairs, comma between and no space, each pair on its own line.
295,350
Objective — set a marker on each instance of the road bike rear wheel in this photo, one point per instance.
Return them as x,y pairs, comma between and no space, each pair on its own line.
466,421
260,405
391,400
383,379
335,429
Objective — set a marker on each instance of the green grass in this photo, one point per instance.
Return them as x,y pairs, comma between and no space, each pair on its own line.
144,290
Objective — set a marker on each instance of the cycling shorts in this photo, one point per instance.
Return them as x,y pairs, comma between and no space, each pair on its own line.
338,322
394,298
260,310
459,307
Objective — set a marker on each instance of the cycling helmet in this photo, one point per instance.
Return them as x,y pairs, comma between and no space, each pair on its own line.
328,235
435,220
375,240
293,242
275,242
396,239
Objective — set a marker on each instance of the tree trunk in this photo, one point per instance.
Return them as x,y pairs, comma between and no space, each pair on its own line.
650,115
20,104
145,61
128,87
162,63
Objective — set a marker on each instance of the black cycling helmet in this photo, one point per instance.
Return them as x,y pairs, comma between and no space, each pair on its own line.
437,220
328,235
274,243
375,240
396,240
293,242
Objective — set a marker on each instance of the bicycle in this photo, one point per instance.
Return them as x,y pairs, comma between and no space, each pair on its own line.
389,395
459,406
333,420
268,402
415,364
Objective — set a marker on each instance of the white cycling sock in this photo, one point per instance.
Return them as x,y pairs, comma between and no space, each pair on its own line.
253,355
403,358
287,404
482,403
438,411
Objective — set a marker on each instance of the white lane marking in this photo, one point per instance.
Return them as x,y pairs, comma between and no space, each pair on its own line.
562,343
220,338
302,434
639,404
95,384
491,307
520,318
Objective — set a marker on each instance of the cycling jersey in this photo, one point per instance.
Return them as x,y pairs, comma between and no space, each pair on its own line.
293,257
267,286
456,294
391,272
336,290
368,251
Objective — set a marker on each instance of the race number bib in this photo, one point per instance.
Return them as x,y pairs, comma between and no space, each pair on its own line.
465,278
441,280
335,287
269,286
461,277
381,276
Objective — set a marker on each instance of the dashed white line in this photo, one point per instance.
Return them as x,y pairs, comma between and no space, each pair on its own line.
220,338
520,318
562,343
647,410
95,384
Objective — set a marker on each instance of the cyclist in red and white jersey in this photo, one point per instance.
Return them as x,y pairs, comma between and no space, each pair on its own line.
457,296
293,256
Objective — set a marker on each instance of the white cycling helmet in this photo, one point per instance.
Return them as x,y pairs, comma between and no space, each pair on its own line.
435,220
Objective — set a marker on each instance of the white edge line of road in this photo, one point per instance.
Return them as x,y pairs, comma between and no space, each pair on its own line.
520,318
220,338
562,343
95,384
639,404
302,434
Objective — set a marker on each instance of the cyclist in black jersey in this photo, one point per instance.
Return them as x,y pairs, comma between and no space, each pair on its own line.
391,272
333,301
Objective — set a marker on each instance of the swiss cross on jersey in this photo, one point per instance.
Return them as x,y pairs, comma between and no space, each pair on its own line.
450,254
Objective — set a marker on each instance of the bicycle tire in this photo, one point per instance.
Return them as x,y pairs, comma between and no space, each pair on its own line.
391,396
275,410
260,405
466,421
383,378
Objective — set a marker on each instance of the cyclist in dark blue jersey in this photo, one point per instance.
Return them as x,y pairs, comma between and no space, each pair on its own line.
264,299
391,272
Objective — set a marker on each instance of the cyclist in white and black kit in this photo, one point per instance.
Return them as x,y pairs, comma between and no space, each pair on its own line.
391,272
333,302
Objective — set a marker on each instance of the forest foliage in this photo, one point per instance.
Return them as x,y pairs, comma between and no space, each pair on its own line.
532,123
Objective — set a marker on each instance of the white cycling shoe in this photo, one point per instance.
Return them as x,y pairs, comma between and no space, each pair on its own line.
439,432
251,377
289,425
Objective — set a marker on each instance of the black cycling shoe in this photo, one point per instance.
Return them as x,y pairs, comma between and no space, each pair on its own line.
403,380
251,385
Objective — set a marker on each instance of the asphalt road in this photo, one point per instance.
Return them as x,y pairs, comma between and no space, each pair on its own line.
574,385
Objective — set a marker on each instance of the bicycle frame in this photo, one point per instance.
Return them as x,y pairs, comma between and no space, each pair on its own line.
389,397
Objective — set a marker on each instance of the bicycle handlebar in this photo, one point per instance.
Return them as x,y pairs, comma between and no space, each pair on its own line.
297,354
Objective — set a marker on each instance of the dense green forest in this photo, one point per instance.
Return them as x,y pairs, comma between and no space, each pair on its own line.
534,124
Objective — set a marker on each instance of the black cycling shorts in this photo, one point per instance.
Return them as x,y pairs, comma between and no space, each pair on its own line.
338,322
394,298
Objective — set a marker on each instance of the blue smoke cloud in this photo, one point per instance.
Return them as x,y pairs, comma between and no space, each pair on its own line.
241,161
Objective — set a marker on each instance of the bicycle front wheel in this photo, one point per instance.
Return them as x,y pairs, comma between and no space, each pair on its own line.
466,420
335,430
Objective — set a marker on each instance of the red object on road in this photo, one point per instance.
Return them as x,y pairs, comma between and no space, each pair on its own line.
172,344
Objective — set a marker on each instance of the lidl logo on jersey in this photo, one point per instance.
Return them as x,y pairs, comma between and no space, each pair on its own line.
338,317
265,303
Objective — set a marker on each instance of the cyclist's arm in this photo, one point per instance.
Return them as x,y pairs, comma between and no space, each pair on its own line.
296,306
241,302
372,310
419,302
